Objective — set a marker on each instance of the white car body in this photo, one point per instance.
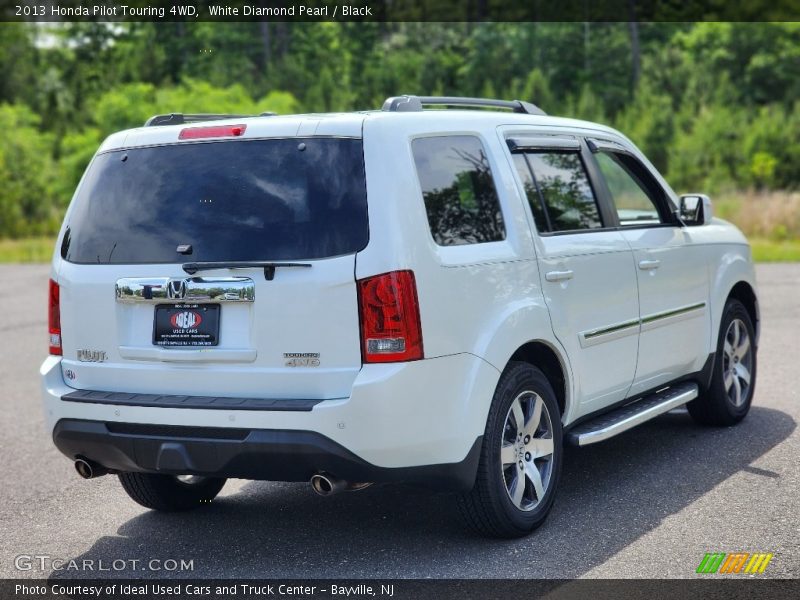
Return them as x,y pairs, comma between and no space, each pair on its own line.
479,304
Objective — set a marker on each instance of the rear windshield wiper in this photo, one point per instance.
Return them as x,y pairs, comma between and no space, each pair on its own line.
269,267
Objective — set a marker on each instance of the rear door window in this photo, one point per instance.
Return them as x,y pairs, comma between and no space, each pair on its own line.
278,199
458,189
558,190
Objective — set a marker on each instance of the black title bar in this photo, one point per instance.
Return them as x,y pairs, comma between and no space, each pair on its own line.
43,11
730,588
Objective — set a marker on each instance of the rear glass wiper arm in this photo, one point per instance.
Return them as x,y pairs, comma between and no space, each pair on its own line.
269,267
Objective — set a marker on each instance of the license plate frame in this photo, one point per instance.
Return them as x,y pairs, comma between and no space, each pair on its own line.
186,325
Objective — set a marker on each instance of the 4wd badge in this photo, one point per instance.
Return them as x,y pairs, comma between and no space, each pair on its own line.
301,359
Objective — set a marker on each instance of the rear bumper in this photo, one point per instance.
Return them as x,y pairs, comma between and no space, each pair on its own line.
249,454
418,422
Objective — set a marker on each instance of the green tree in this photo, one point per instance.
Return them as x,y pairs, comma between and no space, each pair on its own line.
709,154
26,206
650,122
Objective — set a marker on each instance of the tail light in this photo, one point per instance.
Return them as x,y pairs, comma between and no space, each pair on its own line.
389,312
54,318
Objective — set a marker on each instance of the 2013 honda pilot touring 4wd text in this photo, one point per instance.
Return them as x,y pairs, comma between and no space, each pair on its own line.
439,297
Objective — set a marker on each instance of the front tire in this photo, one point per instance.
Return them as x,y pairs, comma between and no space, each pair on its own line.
728,398
521,456
170,493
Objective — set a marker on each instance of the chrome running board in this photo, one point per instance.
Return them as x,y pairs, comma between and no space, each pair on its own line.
626,417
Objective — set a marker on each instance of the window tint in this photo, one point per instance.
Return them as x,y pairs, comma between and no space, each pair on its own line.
458,190
632,201
563,187
233,200
535,201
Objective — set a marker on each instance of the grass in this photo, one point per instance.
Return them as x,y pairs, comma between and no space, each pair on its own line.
27,250
761,215
772,251
770,220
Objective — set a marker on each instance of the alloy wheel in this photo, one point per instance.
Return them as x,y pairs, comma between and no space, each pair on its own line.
526,450
737,363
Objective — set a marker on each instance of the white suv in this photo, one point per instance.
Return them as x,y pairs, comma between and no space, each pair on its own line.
440,297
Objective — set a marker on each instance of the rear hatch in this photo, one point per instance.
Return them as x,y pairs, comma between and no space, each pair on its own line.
136,317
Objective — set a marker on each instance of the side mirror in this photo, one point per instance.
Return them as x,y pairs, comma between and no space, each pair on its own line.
695,209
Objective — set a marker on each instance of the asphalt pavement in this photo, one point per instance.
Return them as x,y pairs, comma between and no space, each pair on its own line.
648,503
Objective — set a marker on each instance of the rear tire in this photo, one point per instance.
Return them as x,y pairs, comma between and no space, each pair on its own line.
168,493
728,398
519,467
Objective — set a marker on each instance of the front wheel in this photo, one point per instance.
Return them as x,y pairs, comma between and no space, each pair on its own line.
728,398
170,492
520,462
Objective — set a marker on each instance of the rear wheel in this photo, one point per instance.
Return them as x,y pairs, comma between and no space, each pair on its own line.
170,492
520,460
733,382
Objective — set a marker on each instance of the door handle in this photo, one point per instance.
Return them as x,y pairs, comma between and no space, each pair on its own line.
558,275
645,265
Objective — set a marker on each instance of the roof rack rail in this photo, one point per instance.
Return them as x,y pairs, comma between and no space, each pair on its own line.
181,119
415,103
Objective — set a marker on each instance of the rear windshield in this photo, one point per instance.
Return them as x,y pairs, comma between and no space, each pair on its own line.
279,199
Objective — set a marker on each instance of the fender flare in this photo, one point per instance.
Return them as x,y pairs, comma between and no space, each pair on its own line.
522,323
735,269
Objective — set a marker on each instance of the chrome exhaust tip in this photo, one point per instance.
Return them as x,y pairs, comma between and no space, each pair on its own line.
325,484
88,469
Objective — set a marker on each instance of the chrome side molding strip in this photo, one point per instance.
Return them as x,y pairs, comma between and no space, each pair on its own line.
673,316
615,332
635,326
194,290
